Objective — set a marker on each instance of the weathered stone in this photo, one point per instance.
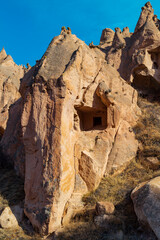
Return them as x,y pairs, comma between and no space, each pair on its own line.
12,144
146,202
139,52
126,33
71,208
73,122
118,41
103,208
147,11
8,219
152,162
82,105
107,36
124,146
10,75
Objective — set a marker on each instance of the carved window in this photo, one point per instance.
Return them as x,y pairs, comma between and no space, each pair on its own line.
97,121
91,119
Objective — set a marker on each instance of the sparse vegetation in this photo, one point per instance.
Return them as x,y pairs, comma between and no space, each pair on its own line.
115,188
147,129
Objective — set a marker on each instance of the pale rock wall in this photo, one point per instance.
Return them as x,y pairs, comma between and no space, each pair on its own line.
147,204
10,75
138,51
74,111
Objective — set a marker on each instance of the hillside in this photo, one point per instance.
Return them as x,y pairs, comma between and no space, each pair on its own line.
80,138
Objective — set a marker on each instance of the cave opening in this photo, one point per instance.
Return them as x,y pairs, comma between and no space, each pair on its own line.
97,121
92,119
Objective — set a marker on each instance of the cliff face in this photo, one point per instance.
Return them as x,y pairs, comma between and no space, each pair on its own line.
73,122
10,75
139,51
73,125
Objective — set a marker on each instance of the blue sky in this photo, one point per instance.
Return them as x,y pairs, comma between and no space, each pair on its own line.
28,26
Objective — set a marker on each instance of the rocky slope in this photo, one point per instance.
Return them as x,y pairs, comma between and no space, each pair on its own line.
10,75
72,105
74,122
147,204
139,51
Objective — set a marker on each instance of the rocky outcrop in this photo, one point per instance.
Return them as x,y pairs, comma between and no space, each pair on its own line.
11,218
10,75
146,202
68,128
138,51
118,41
147,11
107,36
126,33
7,219
103,208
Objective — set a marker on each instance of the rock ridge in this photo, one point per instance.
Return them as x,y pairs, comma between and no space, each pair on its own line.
72,104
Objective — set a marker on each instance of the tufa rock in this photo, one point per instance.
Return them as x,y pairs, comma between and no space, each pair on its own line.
139,52
118,41
91,45
152,163
63,30
10,75
83,105
146,202
126,33
8,219
68,30
28,66
147,11
103,208
107,36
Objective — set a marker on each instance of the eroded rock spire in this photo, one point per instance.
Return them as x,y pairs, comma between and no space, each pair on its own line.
147,10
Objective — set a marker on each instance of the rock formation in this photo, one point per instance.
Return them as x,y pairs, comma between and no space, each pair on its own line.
72,125
147,11
146,199
138,51
10,75
107,36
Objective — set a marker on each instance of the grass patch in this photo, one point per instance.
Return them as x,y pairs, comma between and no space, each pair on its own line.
114,188
117,188
147,129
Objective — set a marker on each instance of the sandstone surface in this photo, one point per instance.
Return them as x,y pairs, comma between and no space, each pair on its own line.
103,208
10,75
8,219
68,128
146,200
139,51
152,162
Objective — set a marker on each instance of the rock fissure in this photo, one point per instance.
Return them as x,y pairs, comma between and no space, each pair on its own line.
87,88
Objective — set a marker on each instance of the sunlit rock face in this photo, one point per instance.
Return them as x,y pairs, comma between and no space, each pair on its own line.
10,75
73,124
147,204
136,55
